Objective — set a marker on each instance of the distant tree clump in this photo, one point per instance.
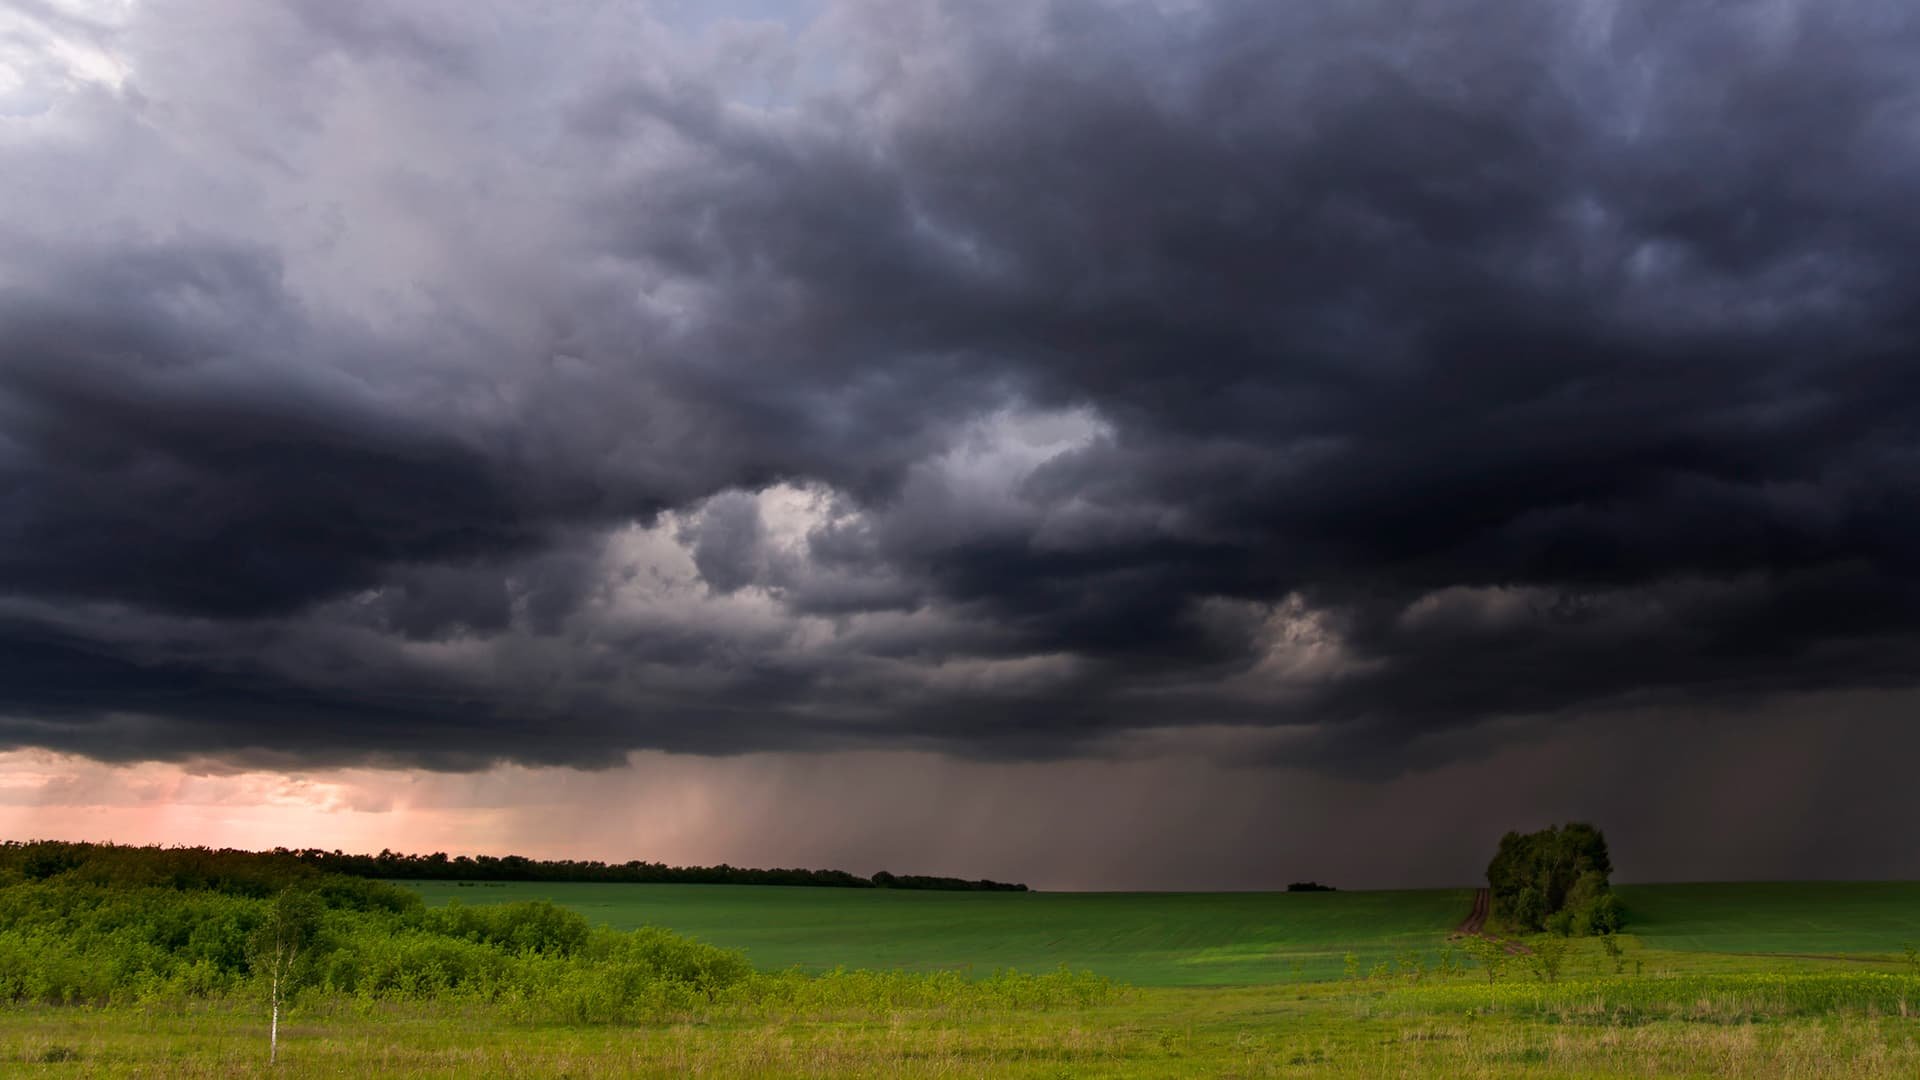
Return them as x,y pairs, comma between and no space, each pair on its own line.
885,880
1309,886
1555,880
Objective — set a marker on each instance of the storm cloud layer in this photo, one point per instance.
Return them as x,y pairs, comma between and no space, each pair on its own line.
1346,384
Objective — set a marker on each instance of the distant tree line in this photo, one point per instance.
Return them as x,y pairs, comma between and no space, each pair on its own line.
1309,886
247,874
1555,880
49,857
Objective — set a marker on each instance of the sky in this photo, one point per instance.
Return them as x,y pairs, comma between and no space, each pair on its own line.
1099,443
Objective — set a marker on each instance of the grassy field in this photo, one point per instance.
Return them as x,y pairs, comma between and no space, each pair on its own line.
1146,939
1221,939
1814,1026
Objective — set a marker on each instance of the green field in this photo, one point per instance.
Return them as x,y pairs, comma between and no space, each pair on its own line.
1802,918
1215,939
1146,939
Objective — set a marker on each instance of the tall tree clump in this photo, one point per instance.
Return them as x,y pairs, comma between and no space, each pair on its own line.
1555,880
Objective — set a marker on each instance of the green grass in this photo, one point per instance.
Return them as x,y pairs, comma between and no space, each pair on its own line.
1805,918
1146,939
1821,1026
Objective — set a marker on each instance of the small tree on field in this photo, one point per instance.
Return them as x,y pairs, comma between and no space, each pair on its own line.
1411,964
276,947
1611,945
1549,955
1490,955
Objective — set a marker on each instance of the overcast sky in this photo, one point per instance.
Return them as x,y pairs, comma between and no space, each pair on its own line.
1111,443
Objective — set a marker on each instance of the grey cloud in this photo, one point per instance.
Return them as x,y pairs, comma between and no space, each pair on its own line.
728,541
1011,379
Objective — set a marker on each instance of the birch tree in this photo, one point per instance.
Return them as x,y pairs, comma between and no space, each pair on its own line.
277,946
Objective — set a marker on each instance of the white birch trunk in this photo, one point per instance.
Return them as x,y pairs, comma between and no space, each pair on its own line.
273,1031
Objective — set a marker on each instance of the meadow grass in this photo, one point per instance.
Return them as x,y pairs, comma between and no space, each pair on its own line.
1145,939
1704,1026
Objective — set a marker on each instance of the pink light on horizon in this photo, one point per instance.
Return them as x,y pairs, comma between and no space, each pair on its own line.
45,795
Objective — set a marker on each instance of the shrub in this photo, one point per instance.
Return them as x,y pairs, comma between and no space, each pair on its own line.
522,926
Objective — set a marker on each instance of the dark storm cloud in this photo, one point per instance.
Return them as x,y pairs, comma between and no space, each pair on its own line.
998,380
169,446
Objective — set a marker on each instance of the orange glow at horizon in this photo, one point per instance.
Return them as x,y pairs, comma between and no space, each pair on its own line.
45,795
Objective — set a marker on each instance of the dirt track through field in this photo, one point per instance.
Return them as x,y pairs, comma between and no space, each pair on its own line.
1475,924
1477,918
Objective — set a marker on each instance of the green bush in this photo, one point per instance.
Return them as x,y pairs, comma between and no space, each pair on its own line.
523,926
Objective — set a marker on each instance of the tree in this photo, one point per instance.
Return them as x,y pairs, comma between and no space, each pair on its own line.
1527,909
275,949
1554,879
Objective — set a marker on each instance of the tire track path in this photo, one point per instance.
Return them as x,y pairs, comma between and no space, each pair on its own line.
1475,924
